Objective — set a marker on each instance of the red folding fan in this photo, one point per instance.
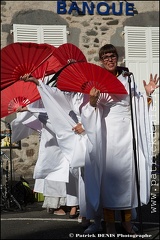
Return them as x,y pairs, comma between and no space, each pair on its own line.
53,63
21,93
18,59
81,77
40,72
18,94
67,53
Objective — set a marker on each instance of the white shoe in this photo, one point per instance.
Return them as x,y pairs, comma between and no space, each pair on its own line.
93,228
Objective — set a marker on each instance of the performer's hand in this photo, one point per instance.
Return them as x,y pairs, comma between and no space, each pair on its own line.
21,109
152,85
78,128
71,61
94,95
28,78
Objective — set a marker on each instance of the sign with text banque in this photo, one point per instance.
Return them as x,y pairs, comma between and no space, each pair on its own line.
102,8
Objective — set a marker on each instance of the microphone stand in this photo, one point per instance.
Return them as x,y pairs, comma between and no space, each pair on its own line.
10,150
135,158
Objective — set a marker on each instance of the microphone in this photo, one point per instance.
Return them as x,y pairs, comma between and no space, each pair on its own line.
73,116
126,74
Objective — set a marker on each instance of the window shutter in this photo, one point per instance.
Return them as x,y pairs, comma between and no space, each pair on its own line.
142,51
51,34
54,35
136,44
26,33
154,33
142,57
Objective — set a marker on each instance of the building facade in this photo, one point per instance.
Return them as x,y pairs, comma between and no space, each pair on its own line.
132,26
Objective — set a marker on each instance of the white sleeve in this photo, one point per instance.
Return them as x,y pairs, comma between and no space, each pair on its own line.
91,120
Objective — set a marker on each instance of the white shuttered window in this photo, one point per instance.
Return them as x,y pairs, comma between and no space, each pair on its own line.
51,34
142,58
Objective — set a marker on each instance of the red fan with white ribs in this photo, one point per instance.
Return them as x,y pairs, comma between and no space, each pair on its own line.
22,58
81,77
67,53
18,94
21,93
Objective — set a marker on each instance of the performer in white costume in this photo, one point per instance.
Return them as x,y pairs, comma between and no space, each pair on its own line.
54,192
62,108
111,167
57,169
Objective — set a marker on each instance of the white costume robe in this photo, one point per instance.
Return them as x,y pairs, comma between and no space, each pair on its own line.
111,165
58,106
51,166
51,161
19,129
74,146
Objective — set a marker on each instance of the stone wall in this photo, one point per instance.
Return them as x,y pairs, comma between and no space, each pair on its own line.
88,32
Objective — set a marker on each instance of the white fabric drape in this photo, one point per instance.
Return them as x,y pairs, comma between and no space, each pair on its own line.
72,145
111,167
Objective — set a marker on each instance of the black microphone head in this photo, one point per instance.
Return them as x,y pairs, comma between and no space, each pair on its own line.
126,74
120,69
73,116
